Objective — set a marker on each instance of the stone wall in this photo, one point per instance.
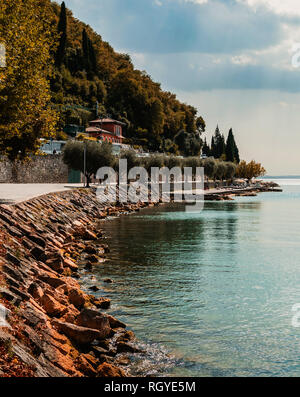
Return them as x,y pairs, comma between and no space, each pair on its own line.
38,169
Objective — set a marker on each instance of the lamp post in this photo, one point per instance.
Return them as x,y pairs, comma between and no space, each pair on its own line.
84,163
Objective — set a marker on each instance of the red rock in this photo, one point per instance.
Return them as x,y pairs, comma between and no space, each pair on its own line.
80,335
72,265
88,235
93,319
70,314
84,366
102,303
126,336
52,306
114,323
36,291
106,370
77,297
124,347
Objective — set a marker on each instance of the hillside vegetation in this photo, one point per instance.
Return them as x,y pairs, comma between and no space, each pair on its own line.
88,70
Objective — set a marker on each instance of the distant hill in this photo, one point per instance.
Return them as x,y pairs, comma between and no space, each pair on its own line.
88,70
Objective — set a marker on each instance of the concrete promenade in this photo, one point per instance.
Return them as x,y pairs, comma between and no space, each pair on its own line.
16,193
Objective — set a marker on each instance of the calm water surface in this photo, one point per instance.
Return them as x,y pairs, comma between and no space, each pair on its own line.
210,293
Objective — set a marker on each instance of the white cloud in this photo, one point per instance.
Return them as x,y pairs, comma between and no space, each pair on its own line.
290,7
243,60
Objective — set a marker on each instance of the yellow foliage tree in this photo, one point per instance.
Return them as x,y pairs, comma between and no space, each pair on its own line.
250,170
25,111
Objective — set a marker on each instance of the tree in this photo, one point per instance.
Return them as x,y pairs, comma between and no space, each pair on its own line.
25,112
62,30
97,155
154,161
209,168
230,170
218,144
89,55
173,161
250,170
231,151
131,157
220,170
201,125
206,149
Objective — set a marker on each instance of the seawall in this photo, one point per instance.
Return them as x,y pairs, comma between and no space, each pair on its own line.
37,169
53,328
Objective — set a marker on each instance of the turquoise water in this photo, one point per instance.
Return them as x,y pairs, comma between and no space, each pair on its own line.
210,293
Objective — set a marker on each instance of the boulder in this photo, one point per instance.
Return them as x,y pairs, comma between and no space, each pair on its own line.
106,370
77,298
93,319
124,347
72,265
51,306
114,323
126,336
85,367
80,335
94,288
102,303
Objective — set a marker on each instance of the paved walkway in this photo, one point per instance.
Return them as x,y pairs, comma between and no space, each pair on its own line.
16,193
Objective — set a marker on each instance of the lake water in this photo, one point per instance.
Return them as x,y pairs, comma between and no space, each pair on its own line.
210,293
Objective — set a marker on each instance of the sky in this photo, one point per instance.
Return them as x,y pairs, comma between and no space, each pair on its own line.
236,61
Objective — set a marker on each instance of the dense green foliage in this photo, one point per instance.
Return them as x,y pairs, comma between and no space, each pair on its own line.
100,155
231,150
97,155
88,71
220,149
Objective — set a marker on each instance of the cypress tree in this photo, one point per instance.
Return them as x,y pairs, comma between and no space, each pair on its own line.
213,147
206,149
93,60
221,146
230,147
218,144
62,29
86,50
232,151
236,154
89,56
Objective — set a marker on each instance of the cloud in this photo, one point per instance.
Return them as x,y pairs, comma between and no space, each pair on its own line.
178,26
201,44
195,72
282,7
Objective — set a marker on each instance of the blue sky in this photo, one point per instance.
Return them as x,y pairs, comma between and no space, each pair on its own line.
232,59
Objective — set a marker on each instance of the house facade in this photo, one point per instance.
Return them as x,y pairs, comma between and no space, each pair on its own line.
107,130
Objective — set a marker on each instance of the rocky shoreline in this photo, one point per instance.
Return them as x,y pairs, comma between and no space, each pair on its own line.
54,329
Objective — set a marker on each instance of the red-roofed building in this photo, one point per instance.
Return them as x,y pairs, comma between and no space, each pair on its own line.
106,130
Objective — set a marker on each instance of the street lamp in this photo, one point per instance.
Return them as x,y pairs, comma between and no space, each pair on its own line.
84,162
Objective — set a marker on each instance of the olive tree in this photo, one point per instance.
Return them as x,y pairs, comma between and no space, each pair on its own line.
97,155
209,168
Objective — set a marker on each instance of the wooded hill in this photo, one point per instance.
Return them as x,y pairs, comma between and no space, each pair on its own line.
88,70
